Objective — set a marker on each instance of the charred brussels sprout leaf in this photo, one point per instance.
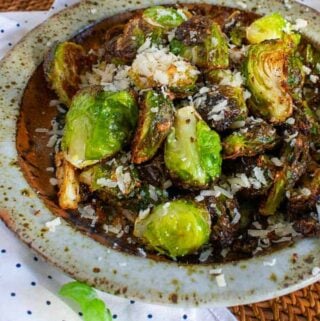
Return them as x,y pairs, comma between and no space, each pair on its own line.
62,68
221,106
164,17
192,150
304,197
250,141
266,28
267,79
98,125
176,228
202,42
155,121
296,156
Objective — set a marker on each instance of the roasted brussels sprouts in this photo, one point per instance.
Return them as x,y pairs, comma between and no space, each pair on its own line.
296,155
310,56
250,141
266,28
267,77
62,67
224,212
163,17
98,125
201,41
115,177
157,67
155,121
192,150
252,176
68,183
221,106
118,183
175,228
304,197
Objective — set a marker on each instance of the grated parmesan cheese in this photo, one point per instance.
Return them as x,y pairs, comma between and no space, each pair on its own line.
272,263
51,225
221,282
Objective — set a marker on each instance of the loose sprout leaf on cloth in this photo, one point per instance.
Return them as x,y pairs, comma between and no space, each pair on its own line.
92,307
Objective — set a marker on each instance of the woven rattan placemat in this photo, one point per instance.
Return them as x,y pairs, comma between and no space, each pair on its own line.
303,305
25,5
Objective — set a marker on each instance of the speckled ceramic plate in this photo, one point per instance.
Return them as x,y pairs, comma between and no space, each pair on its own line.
24,212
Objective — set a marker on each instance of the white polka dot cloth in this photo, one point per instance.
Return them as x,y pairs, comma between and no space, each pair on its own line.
29,286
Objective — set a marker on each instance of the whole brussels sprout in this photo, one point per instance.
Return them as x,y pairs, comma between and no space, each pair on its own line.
201,41
266,76
250,141
155,121
192,150
163,17
175,228
62,67
266,28
98,125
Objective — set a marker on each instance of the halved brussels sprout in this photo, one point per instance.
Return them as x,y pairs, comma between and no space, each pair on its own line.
163,17
221,106
266,28
157,67
175,228
62,67
250,141
295,156
155,121
68,183
192,150
201,41
98,125
266,75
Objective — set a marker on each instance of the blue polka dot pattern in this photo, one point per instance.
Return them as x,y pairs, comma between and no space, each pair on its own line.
3,251
184,317
149,316
18,265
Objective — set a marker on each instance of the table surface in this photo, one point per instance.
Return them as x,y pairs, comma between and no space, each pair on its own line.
300,305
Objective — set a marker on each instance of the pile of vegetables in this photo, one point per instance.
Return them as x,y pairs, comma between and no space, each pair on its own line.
214,131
